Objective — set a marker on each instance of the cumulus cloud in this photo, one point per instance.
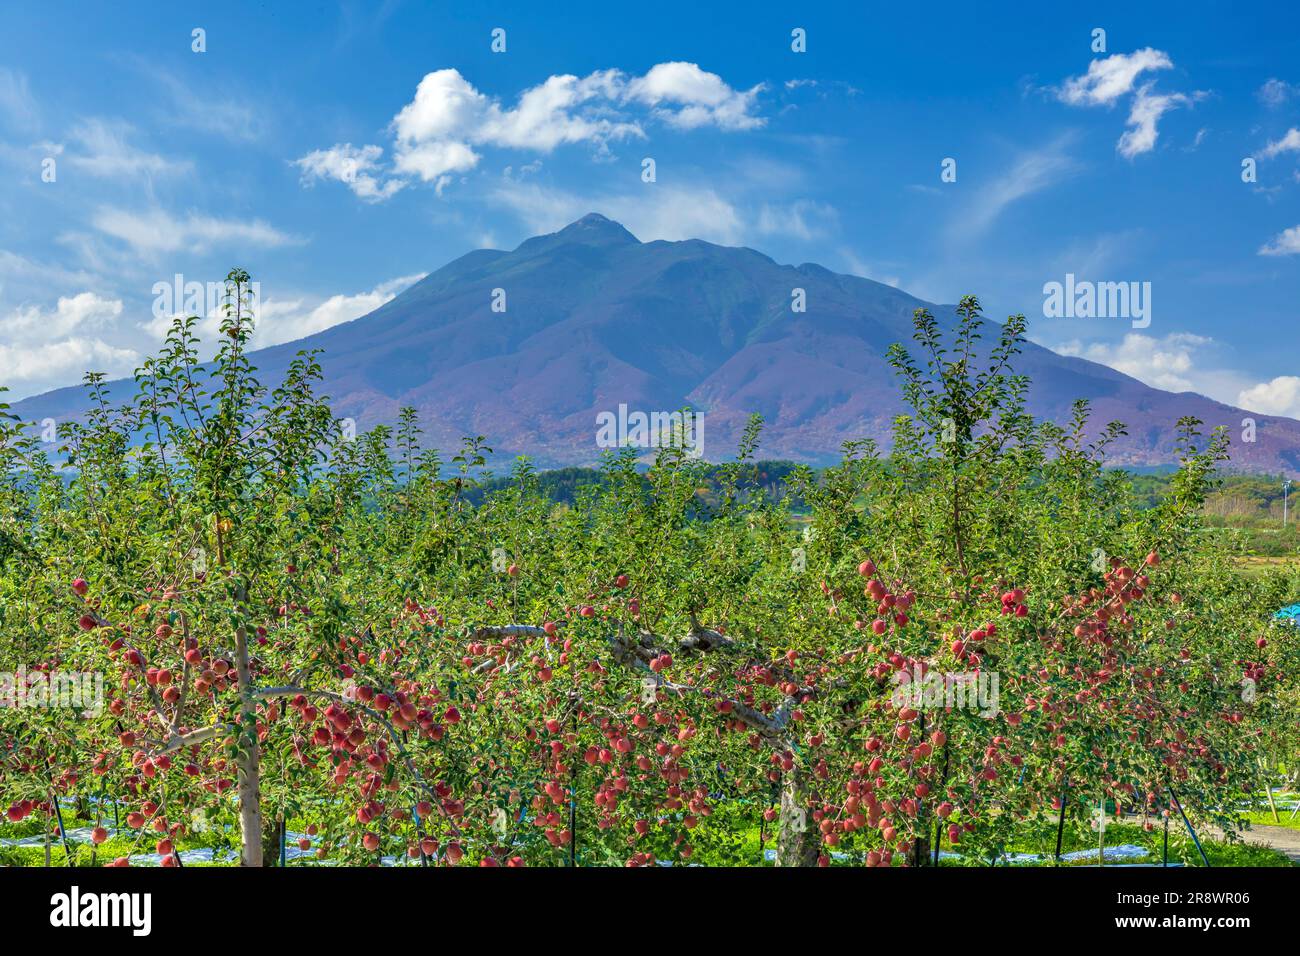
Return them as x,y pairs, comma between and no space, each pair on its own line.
437,132
1285,243
688,97
1110,79
41,348
441,133
1290,143
283,320
1281,396
1167,363
356,167
157,231
1145,113
1178,362
83,311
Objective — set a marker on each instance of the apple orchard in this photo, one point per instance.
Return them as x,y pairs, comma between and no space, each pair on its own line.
308,631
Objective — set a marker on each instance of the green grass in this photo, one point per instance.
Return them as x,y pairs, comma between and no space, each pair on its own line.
1040,837
1265,818
730,837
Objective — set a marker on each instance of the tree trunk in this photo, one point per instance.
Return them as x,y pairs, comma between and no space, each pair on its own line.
796,839
922,849
250,783
272,840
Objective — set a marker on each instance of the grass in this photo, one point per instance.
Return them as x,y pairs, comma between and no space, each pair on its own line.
730,837
1256,565
1265,818
1040,837
743,848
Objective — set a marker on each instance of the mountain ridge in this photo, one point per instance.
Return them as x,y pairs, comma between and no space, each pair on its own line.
594,318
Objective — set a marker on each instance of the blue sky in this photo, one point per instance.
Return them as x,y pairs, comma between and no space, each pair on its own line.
338,151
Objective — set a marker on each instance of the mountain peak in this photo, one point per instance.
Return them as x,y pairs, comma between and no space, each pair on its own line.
600,321
594,227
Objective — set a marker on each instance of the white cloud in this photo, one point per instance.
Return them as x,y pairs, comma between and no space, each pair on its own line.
105,152
437,131
1178,362
351,165
701,98
432,162
285,320
1281,396
442,131
30,370
1167,363
1111,78
1034,171
43,348
1145,113
84,310
1290,143
1285,243
1275,92
157,231
545,117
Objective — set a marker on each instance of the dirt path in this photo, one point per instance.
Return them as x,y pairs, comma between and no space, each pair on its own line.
1283,839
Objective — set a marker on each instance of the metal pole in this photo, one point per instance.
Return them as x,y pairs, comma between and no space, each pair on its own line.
573,788
1101,832
919,853
1166,857
1268,791
1060,825
1179,804
63,833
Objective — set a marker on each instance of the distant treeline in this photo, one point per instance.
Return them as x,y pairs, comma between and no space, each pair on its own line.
1249,503
563,485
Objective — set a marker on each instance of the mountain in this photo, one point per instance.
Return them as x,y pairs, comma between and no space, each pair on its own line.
594,319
